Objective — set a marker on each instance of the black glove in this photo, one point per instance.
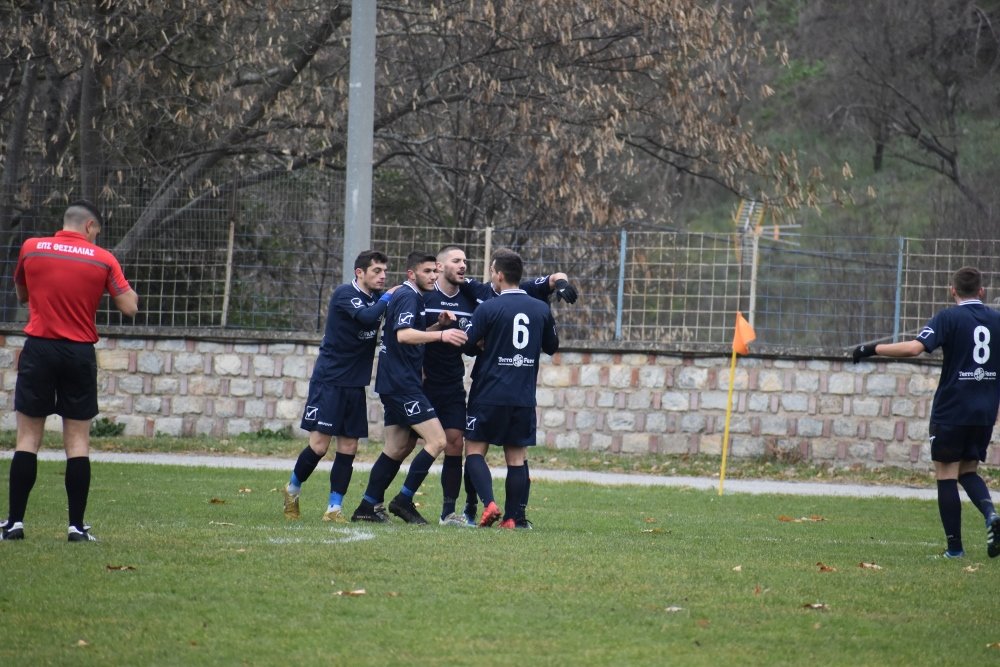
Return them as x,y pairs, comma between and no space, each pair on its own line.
863,351
565,291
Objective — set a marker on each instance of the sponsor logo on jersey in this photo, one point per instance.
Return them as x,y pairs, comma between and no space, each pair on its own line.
405,319
324,423
470,422
356,302
542,280
412,408
311,411
978,375
926,333
367,335
516,361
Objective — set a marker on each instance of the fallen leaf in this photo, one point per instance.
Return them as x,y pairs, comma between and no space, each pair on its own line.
217,501
757,590
819,606
353,594
392,594
673,609
970,568
82,643
802,519
703,622
993,645
738,568
119,568
246,490
825,568
652,530
869,566
649,519
220,523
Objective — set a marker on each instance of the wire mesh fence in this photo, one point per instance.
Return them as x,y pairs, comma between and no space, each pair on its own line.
266,260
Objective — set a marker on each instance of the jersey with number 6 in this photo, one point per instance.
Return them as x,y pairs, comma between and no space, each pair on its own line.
516,328
968,393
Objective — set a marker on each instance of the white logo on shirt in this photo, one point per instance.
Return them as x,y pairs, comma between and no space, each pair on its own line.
405,318
412,408
470,422
356,302
311,412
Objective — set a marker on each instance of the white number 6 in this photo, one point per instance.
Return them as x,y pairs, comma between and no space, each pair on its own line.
521,331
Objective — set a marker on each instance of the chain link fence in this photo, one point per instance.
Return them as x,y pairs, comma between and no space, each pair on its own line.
266,260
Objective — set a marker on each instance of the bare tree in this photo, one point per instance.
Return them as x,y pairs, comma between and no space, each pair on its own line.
912,76
492,111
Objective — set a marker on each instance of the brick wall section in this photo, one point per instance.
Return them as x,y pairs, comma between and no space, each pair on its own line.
822,410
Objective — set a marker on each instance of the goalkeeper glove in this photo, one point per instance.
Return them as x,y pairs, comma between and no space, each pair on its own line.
565,291
863,351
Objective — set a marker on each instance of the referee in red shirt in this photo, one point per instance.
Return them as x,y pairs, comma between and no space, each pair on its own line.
62,279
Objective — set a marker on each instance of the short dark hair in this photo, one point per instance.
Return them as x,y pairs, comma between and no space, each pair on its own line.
416,258
509,263
449,248
89,207
369,257
967,282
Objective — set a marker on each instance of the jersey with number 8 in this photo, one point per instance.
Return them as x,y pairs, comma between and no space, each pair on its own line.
968,392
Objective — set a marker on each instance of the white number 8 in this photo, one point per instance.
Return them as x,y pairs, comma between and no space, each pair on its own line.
981,351
521,331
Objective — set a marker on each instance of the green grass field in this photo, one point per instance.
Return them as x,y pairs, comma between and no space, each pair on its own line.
197,566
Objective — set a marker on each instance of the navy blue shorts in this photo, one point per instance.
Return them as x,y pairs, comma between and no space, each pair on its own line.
501,424
56,377
406,409
336,411
959,443
449,404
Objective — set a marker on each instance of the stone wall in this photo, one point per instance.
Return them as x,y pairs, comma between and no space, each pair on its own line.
810,408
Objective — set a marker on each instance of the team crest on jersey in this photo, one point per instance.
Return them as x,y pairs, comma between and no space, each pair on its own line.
470,422
311,412
465,323
925,333
542,280
405,319
356,302
412,408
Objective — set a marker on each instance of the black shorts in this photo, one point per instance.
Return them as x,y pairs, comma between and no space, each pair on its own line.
959,443
406,409
449,404
501,424
56,377
336,411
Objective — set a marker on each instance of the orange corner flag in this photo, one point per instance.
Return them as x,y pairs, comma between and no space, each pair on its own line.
743,335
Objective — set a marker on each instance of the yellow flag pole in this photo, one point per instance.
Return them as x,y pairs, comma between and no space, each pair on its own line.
729,412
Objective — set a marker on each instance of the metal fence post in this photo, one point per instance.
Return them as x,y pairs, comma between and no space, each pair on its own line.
621,284
899,290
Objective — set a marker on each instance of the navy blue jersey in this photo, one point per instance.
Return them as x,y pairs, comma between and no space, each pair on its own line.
482,292
348,347
517,328
443,363
399,365
536,287
968,392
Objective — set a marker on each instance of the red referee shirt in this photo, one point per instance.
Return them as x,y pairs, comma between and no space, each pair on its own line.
66,276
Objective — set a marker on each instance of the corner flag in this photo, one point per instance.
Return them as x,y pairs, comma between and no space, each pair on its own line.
743,335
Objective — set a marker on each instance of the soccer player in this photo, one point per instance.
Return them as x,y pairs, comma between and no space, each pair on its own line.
514,329
399,385
336,403
62,279
965,404
444,368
